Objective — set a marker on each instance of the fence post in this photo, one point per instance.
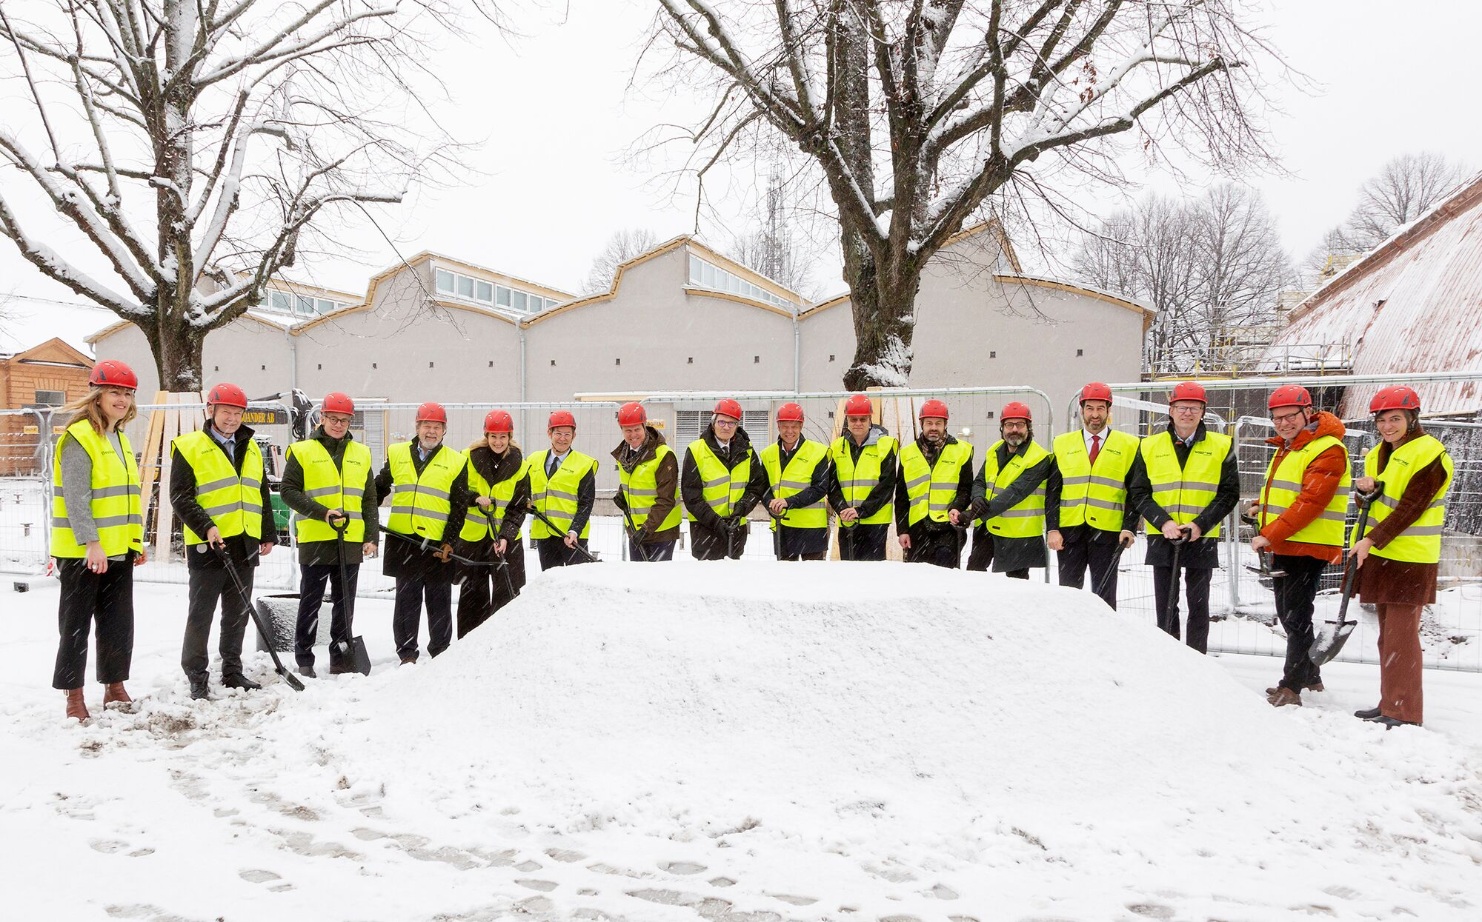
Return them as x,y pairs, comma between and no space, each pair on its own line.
1233,528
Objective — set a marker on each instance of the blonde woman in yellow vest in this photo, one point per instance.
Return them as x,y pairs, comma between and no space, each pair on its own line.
1086,517
421,477
648,487
97,536
864,461
328,479
563,488
797,485
1299,516
220,495
720,482
1183,483
1009,498
1399,554
495,503
933,491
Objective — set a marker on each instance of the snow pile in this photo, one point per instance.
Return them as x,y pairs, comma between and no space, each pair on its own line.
735,741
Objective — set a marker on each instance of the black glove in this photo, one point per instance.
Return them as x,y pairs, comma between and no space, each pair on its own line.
736,524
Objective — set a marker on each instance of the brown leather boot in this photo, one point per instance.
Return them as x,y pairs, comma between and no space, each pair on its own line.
1284,697
76,706
114,693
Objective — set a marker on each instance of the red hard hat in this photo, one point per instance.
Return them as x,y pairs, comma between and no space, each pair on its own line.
226,395
1189,390
1096,391
790,413
336,402
1395,397
933,409
498,421
729,407
430,412
1015,410
858,405
113,373
632,414
1289,395
560,418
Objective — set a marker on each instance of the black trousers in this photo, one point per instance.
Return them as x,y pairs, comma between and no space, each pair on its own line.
485,590
1074,559
980,558
1294,604
1196,593
106,602
940,548
555,553
652,553
312,577
863,542
207,587
712,544
411,592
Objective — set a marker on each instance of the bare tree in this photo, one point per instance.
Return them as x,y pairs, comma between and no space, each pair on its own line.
1211,267
192,146
621,247
770,250
915,111
1405,188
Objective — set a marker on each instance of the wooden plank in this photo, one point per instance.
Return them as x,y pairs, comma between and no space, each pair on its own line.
149,461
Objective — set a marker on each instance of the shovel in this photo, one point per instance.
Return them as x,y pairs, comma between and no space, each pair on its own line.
591,558
355,649
267,637
1328,641
1264,569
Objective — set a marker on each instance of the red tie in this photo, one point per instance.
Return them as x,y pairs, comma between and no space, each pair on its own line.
1095,447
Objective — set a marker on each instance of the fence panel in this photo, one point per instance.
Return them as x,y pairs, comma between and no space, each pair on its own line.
25,491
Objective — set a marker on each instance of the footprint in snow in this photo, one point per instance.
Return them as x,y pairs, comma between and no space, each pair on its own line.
114,846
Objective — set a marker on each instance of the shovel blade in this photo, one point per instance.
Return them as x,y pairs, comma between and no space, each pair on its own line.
359,655
1329,641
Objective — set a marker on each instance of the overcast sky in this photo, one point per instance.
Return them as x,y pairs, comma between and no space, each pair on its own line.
557,117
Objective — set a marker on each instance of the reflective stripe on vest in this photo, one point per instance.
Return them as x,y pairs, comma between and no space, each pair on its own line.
641,490
1185,492
556,498
478,524
721,487
931,490
233,502
334,488
794,479
420,504
1027,519
1421,542
857,480
115,502
1094,494
1284,484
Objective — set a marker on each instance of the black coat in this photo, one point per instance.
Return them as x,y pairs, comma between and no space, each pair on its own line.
960,502
1010,553
242,549
692,489
795,540
1205,554
291,488
881,493
410,556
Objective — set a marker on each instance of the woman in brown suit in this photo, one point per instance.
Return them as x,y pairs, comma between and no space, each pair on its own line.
1408,475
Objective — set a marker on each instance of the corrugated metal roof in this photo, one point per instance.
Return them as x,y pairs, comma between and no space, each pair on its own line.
1414,304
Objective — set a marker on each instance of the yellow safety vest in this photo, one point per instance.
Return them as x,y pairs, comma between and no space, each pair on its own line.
479,524
420,504
233,502
641,490
334,488
115,502
931,490
1284,484
1185,492
1027,519
1421,542
857,480
794,479
1094,493
721,488
556,498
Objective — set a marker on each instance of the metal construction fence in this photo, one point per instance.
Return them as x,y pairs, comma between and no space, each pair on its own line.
1240,597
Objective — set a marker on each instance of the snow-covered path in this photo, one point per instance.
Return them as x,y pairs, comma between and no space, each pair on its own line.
740,741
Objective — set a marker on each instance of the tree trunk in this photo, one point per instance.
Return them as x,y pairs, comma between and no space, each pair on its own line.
883,299
177,354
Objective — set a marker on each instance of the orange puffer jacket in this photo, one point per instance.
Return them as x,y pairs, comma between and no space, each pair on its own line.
1319,483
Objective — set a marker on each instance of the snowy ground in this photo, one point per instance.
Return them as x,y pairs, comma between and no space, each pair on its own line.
739,741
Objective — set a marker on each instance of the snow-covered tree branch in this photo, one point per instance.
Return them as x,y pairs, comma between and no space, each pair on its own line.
190,145
916,112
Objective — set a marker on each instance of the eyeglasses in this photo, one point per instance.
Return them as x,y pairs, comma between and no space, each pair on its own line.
1192,409
726,422
337,420
1285,417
